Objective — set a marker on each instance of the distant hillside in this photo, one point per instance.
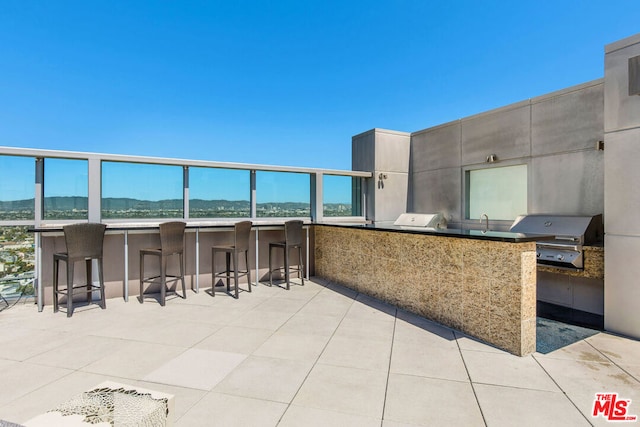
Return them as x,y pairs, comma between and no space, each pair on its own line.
17,205
65,203
124,204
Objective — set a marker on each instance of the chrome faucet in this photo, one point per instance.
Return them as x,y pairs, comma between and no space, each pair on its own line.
486,223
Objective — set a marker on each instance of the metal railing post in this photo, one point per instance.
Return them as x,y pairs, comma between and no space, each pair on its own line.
38,208
252,198
317,207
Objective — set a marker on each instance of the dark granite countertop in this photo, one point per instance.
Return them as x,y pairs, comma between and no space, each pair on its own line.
499,236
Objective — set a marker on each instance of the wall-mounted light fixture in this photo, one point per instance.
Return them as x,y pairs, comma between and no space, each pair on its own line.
600,145
492,158
381,178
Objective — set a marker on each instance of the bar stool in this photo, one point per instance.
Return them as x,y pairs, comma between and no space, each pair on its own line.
171,243
84,243
292,240
241,235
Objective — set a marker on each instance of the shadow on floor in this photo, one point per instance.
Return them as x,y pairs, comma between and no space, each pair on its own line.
552,335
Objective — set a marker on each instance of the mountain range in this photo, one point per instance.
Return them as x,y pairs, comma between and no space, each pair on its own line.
123,204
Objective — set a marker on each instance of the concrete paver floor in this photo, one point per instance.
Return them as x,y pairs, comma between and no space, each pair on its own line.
315,355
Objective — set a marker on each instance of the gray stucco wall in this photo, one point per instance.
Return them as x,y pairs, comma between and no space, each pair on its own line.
554,134
622,172
386,153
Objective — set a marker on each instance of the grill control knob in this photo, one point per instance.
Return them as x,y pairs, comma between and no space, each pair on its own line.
560,257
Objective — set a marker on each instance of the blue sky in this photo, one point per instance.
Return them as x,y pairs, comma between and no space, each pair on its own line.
281,82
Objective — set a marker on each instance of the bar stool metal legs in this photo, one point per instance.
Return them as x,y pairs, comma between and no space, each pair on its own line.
171,243
242,232
293,240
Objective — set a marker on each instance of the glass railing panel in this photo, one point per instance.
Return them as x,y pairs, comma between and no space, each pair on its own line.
341,196
283,194
17,261
219,193
136,190
66,189
17,188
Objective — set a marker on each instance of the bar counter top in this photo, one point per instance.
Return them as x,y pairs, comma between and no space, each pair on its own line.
139,225
499,236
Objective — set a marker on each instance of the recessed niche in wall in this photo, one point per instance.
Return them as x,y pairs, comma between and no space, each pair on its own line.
634,75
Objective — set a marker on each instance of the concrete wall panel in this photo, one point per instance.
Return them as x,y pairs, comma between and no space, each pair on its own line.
570,183
392,151
621,110
566,171
363,151
436,148
391,196
505,132
439,191
568,122
384,152
621,290
621,177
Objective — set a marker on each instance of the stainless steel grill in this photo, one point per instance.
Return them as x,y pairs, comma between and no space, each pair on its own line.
421,221
571,233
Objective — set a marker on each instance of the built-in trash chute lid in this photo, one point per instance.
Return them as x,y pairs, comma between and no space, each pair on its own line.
419,220
587,229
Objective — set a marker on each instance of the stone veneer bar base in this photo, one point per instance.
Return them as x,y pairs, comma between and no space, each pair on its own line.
484,288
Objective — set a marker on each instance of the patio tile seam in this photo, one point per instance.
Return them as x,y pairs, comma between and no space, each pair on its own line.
467,381
466,368
612,361
608,363
117,377
44,365
386,385
227,393
185,410
431,377
129,341
315,362
195,344
575,405
10,402
517,387
335,411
